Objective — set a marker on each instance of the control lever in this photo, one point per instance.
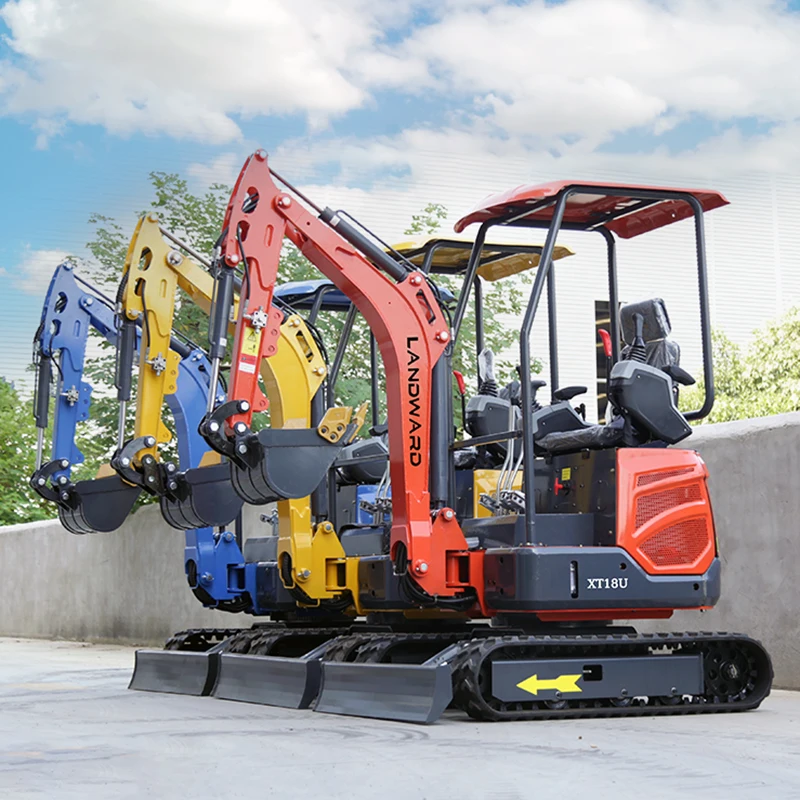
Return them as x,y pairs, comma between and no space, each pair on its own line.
462,390
679,375
536,384
605,338
487,383
638,351
568,392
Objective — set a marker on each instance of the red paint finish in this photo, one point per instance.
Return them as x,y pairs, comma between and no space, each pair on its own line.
605,337
411,332
664,517
588,208
262,234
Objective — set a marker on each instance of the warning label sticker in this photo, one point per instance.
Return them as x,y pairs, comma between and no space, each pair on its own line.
251,342
566,473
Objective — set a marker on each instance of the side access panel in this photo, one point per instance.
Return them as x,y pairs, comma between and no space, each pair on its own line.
592,678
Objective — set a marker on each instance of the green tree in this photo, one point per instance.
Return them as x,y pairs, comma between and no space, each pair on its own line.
757,381
197,219
503,297
18,502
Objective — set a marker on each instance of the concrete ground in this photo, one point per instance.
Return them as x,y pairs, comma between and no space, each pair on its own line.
69,728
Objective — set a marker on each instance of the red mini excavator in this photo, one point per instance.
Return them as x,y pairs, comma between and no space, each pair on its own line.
507,616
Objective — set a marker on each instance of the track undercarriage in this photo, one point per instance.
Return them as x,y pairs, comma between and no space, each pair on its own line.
487,672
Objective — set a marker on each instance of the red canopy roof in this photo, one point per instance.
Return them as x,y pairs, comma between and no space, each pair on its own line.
589,208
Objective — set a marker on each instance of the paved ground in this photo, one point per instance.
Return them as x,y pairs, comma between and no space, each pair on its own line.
70,729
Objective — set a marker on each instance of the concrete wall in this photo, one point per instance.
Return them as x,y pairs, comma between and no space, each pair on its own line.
130,586
124,586
754,468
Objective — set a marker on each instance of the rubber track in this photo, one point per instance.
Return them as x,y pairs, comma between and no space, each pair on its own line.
469,697
380,645
199,640
261,640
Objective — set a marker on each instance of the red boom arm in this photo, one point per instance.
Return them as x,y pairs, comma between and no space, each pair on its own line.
411,333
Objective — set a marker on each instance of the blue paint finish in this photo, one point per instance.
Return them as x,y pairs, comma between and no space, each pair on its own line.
188,405
68,314
219,563
366,493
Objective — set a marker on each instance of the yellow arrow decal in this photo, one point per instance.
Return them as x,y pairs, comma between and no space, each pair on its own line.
563,683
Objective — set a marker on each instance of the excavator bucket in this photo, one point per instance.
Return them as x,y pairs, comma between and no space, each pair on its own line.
175,671
205,498
294,463
249,486
269,680
100,505
403,692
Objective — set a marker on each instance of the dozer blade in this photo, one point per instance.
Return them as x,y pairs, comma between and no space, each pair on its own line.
402,692
268,680
209,500
175,671
103,505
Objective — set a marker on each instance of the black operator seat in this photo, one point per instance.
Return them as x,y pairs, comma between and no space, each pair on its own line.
376,448
659,350
492,411
642,388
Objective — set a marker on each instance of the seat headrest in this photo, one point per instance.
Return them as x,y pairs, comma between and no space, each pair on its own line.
656,320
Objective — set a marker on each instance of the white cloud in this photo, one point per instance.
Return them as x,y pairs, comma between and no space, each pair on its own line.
221,169
47,129
592,68
32,274
186,67
549,74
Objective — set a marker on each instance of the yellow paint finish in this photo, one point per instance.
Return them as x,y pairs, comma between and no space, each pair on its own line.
292,377
566,684
294,374
484,481
151,284
451,254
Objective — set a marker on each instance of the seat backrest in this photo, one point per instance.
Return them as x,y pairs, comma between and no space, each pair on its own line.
661,350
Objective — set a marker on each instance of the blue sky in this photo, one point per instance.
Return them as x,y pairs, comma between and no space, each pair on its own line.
384,104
